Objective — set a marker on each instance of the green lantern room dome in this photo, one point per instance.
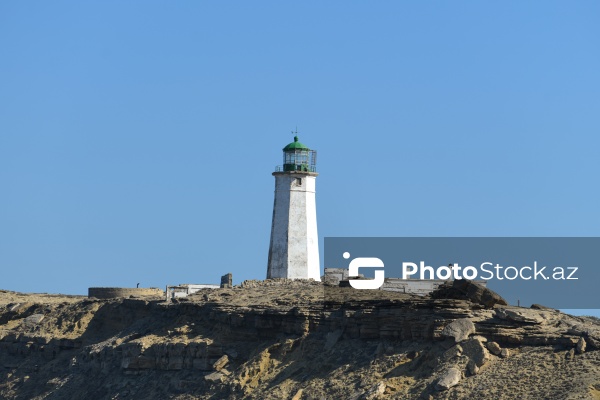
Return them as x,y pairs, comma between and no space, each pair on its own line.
298,158
295,145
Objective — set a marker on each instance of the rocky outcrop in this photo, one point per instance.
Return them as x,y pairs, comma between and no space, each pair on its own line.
285,338
527,315
465,289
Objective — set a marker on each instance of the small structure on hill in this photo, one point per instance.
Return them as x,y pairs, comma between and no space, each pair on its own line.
116,292
339,276
185,289
227,281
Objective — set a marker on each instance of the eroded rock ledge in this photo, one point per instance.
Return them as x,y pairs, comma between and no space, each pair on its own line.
283,338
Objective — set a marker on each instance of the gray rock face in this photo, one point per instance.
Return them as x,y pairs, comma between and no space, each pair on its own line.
232,353
476,351
332,338
494,348
459,329
449,378
465,289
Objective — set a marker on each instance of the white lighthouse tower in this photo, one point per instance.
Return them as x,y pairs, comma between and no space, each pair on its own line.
294,248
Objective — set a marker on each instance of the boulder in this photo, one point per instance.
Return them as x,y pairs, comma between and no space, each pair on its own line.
504,353
465,289
581,345
449,378
494,348
472,368
214,377
476,351
482,339
459,329
33,320
221,363
453,352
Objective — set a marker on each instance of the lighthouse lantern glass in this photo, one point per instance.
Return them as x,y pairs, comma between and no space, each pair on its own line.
302,160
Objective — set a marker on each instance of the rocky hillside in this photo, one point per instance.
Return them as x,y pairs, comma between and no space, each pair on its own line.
294,340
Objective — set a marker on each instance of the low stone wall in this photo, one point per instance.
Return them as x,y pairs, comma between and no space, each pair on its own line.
110,293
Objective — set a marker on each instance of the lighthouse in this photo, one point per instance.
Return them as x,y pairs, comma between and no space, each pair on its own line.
294,247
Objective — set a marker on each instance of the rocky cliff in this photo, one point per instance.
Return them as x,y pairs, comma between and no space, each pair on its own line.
293,340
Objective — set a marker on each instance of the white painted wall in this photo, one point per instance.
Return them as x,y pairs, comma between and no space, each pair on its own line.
186,289
294,247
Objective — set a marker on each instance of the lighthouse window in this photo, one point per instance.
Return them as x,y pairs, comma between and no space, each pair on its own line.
299,181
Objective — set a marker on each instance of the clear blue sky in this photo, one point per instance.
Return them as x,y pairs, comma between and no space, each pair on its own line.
137,139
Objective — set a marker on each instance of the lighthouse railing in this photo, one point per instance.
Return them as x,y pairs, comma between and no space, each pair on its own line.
295,168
